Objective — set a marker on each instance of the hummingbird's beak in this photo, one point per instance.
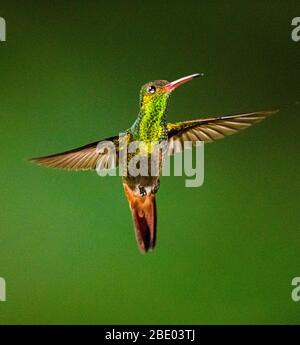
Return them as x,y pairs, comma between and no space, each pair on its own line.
174,84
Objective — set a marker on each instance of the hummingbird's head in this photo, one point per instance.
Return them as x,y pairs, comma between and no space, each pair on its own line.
155,94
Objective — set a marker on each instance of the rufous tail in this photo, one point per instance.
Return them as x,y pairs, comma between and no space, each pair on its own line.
143,210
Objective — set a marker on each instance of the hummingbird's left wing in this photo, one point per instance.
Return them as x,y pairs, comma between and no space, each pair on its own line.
87,157
210,129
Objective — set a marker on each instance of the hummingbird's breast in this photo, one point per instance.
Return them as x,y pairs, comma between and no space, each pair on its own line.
144,163
148,135
150,125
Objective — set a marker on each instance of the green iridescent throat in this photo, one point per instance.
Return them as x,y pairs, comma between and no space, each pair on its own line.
151,122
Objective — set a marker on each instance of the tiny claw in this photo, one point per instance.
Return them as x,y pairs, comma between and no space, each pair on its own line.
142,191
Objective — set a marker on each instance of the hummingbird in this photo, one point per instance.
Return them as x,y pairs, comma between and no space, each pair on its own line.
151,126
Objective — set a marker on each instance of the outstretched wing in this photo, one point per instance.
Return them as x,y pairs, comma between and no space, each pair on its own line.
87,157
210,129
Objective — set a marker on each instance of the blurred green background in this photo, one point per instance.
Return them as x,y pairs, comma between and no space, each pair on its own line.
226,253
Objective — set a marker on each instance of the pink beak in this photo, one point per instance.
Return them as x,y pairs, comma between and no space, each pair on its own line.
174,84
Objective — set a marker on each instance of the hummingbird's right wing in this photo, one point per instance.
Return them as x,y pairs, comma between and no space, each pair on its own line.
88,157
210,129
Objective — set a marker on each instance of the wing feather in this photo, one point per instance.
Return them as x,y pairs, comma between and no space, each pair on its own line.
82,158
211,129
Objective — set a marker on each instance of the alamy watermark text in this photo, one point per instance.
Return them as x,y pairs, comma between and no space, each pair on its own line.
2,290
296,290
296,31
138,158
2,30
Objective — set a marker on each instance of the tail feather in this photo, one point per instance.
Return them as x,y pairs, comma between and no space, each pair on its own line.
143,210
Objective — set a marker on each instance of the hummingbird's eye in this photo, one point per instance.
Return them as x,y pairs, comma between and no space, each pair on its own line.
151,89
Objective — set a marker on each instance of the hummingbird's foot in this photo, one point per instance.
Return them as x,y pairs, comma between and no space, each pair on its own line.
142,190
